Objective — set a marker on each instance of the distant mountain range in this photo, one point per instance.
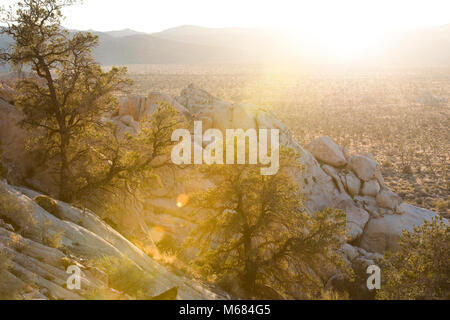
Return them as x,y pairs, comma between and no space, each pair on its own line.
193,44
186,45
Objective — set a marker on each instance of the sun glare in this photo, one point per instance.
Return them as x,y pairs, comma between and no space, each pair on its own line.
347,30
342,40
350,43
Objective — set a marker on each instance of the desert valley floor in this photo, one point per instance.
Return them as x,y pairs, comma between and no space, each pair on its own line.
399,115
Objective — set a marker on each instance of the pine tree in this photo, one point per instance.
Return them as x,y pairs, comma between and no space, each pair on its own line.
262,235
66,96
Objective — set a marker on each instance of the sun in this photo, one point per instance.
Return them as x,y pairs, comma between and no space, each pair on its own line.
341,41
348,43
341,31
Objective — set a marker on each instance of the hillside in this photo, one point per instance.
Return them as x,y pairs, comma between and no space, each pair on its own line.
40,246
143,49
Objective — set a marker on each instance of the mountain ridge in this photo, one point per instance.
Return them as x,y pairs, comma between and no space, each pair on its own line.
190,44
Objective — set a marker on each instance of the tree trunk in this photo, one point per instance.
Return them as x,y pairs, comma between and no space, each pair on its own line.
250,265
64,190
250,268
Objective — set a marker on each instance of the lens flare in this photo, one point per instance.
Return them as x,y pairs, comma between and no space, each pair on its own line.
157,233
182,200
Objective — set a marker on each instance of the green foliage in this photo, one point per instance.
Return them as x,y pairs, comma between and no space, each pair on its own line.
126,277
167,244
262,236
333,295
53,240
68,97
125,162
420,269
50,237
120,170
66,92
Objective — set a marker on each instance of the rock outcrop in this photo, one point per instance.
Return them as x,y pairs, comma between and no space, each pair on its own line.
78,237
382,233
140,108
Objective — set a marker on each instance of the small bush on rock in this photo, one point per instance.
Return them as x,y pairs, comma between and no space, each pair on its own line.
48,204
126,277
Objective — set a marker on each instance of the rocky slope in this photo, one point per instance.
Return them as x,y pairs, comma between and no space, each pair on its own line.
331,177
41,245
376,216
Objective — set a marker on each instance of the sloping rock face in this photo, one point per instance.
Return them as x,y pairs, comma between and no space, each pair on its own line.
82,237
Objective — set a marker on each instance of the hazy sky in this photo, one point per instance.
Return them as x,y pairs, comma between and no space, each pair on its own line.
151,16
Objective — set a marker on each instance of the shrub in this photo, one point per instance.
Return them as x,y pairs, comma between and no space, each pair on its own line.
10,207
126,277
420,269
261,234
167,244
53,240
48,204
